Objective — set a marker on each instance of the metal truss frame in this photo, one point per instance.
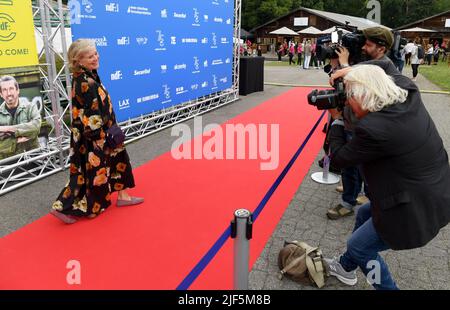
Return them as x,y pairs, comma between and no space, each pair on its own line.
23,169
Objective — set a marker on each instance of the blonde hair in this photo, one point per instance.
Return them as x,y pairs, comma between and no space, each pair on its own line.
373,88
76,50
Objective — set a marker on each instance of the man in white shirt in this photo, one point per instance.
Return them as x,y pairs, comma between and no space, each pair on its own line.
408,51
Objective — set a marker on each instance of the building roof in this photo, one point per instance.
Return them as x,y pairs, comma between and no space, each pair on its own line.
359,22
417,29
422,20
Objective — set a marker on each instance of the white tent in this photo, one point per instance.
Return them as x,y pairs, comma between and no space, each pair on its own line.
310,30
417,29
285,31
330,30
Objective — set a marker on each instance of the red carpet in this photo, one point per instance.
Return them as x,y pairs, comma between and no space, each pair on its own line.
189,204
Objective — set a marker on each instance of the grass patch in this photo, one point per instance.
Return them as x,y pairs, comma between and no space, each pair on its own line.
439,74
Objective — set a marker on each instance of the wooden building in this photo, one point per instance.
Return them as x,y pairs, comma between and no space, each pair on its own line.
303,18
439,23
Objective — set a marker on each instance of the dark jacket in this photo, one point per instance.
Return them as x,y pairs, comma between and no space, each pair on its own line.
406,167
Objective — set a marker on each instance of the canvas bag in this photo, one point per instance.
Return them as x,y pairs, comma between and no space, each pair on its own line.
302,263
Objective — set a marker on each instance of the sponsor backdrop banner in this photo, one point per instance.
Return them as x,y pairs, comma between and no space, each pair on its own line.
17,41
157,54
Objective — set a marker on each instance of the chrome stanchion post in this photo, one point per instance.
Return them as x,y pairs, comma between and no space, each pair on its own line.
241,232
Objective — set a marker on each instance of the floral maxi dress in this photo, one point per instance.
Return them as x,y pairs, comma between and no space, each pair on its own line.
96,170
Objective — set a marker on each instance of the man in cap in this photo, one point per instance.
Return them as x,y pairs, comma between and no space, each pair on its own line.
379,41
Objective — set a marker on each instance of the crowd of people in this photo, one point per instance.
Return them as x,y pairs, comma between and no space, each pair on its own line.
249,49
413,54
303,54
417,53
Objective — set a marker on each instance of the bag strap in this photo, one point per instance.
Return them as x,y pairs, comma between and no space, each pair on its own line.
314,263
292,264
308,249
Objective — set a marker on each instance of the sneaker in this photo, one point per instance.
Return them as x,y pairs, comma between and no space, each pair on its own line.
336,269
338,212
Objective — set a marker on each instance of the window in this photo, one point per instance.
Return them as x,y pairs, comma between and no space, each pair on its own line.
447,23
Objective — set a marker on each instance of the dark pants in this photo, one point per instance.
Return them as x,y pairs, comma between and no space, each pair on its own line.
415,69
299,59
279,56
351,181
291,59
363,249
314,61
400,64
408,59
436,58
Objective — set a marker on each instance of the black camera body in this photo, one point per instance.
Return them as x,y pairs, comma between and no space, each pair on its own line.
353,41
329,99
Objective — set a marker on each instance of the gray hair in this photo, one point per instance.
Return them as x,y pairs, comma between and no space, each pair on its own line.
8,78
76,50
373,88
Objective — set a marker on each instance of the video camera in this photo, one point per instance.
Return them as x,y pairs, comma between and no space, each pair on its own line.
329,99
326,49
353,41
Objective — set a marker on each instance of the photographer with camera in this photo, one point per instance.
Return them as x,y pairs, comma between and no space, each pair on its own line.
405,164
377,42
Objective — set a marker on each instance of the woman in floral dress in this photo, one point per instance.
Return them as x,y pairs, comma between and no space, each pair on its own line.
96,169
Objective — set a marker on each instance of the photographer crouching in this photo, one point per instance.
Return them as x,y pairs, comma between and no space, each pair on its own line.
405,165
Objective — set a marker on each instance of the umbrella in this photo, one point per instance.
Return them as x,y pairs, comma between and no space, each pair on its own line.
310,30
284,31
417,29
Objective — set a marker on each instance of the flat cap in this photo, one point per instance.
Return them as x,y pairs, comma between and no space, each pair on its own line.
380,36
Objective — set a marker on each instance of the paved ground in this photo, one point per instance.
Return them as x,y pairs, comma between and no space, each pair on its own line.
427,268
